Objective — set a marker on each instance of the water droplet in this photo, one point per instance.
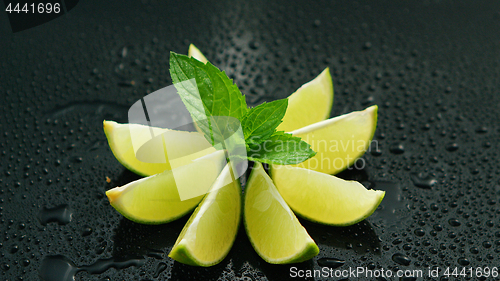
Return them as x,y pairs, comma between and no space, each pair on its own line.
61,214
330,262
159,269
452,147
426,182
482,130
57,268
397,148
454,222
419,232
401,259
463,261
126,83
87,230
60,268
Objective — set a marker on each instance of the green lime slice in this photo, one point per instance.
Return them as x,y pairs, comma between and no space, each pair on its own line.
311,103
324,198
159,198
338,141
183,146
274,231
211,230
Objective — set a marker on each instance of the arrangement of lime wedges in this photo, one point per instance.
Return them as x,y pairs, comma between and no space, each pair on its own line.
309,189
274,231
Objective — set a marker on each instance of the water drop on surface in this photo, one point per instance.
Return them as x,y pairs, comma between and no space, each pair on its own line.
454,222
397,148
419,232
423,182
159,269
452,147
463,261
61,214
401,259
57,268
330,262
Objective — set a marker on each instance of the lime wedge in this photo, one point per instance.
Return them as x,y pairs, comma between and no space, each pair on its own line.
338,141
157,199
311,103
182,146
196,53
324,198
211,230
274,231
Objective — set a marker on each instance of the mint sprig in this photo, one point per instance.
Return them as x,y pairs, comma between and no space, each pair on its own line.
206,91
218,108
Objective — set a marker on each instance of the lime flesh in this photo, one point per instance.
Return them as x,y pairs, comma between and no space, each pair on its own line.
196,53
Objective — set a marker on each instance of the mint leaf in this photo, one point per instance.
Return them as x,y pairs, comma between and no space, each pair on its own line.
206,91
261,121
281,148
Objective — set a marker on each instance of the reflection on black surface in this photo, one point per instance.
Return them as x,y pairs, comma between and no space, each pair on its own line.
352,173
360,237
134,239
125,177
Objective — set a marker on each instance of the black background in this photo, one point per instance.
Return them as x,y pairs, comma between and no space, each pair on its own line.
431,66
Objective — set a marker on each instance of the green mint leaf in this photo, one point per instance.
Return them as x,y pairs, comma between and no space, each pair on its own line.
261,121
206,91
281,148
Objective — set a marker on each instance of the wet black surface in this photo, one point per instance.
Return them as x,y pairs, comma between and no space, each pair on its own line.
431,66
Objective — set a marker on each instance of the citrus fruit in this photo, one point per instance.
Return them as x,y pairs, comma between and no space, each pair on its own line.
311,103
158,198
196,53
164,149
274,231
325,198
211,230
338,141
